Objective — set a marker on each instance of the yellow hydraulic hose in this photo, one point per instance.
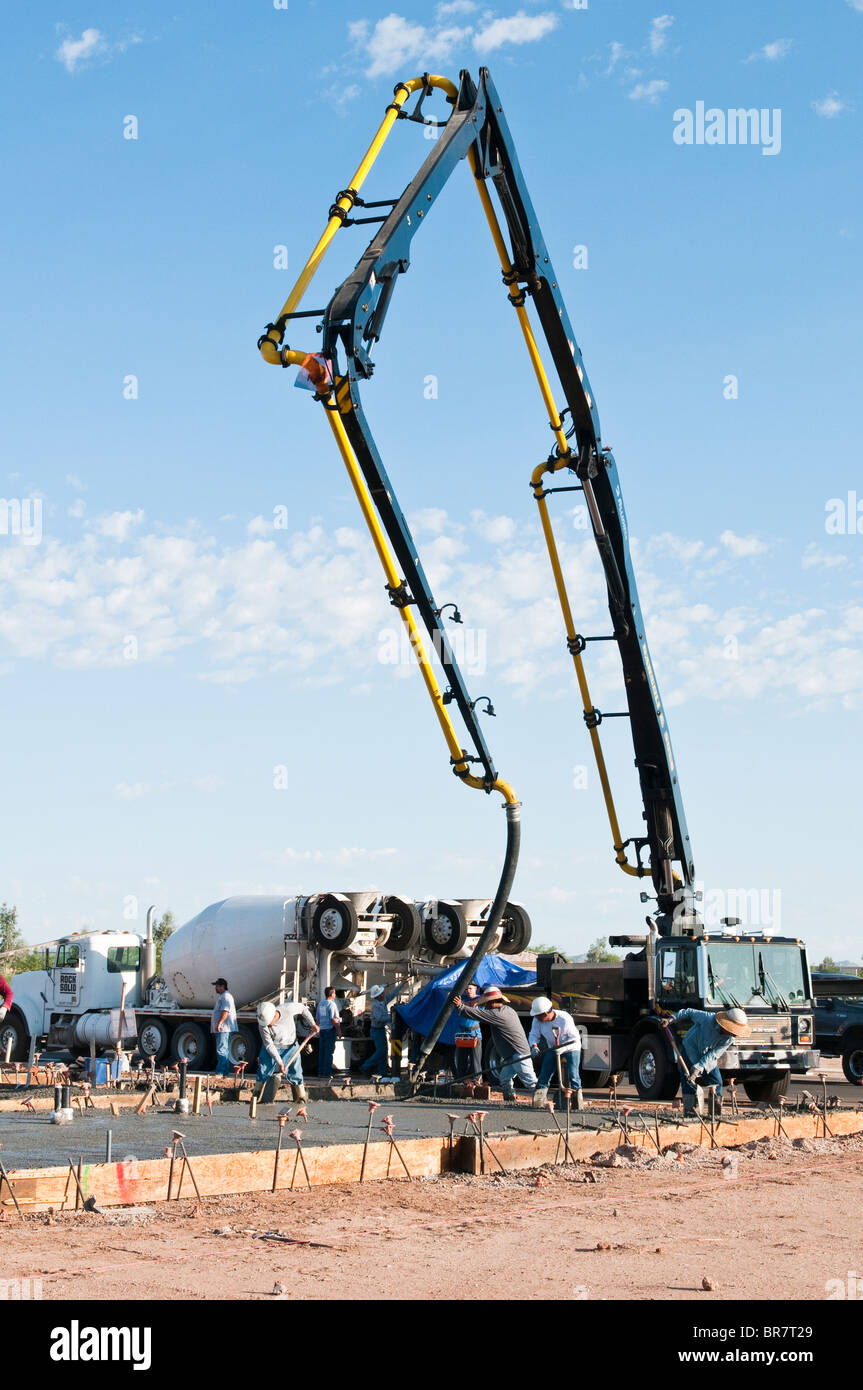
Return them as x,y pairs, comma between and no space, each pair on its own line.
536,483
270,342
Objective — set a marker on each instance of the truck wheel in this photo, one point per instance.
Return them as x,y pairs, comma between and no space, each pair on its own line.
244,1047
406,930
653,1070
446,932
14,1027
153,1038
192,1043
596,1080
767,1088
516,930
334,922
852,1060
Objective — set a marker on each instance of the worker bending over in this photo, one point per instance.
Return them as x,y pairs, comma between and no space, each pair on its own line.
508,1038
556,1028
280,1051
703,1045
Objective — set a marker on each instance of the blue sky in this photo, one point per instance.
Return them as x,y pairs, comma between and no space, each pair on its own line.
152,779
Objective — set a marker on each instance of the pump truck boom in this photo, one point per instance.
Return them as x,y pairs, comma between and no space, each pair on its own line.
351,324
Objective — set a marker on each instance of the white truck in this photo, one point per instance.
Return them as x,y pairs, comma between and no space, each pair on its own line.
266,947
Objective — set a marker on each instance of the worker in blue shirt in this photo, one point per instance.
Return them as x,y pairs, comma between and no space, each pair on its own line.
703,1045
379,1060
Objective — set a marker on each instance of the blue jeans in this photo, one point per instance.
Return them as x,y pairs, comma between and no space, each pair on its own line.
223,1061
379,1060
326,1048
510,1070
569,1067
293,1073
707,1078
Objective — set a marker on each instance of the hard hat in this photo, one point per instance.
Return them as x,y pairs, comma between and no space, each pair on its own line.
491,994
541,1006
266,1014
376,991
734,1021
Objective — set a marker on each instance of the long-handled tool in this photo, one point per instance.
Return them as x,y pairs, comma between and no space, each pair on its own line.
271,1085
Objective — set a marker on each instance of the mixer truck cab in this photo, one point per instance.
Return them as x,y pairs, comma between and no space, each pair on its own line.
75,1000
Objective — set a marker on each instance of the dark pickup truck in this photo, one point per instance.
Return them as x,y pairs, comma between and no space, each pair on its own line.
839,1020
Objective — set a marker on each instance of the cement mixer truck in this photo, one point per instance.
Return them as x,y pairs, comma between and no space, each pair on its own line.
267,947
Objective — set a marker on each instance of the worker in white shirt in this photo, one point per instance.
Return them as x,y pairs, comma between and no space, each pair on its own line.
329,1021
556,1028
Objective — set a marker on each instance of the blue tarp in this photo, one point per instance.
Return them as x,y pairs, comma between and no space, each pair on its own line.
423,1009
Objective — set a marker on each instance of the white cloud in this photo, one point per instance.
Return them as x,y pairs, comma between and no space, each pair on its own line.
454,7
518,28
742,546
78,508
260,526
830,106
74,481
814,557
658,37
649,91
117,525
771,52
856,5
495,529
615,52
131,791
92,46
74,53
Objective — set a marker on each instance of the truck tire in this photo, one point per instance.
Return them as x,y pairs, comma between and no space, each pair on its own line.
153,1038
596,1080
852,1059
653,1070
406,930
516,930
767,1089
446,932
244,1047
334,922
191,1042
13,1026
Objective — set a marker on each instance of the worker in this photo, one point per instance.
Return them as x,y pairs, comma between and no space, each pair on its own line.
277,1024
556,1028
6,996
703,1045
330,1028
223,1023
467,1061
508,1037
380,1029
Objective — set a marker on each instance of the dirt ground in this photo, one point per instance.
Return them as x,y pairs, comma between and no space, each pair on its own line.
628,1226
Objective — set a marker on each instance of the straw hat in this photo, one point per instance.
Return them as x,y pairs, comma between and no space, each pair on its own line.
734,1021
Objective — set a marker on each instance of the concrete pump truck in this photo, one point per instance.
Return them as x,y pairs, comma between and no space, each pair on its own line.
676,963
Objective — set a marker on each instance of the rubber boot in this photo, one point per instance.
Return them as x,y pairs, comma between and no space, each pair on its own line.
299,1092
579,1099
540,1096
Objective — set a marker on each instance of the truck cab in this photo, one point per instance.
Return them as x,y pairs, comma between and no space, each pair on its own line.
76,998
615,1004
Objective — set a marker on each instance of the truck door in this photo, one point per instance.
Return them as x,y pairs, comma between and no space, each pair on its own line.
66,975
677,976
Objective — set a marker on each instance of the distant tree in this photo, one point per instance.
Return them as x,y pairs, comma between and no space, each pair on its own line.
161,931
543,950
828,966
11,940
599,953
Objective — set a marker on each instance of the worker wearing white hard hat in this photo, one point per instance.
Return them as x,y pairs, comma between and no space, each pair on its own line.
378,1061
703,1045
277,1025
557,1030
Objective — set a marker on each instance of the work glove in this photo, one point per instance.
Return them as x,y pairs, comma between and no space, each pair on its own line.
3,1011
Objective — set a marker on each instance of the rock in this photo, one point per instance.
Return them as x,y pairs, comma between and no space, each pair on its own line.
279,1288
708,1284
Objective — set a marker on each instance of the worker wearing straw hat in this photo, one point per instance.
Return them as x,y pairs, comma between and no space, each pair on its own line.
704,1043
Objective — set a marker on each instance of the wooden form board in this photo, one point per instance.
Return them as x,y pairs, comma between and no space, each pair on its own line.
146,1180
532,1150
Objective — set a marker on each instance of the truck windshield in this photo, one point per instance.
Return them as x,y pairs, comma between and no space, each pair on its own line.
735,977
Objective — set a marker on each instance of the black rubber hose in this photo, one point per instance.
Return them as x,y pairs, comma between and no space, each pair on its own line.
513,839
